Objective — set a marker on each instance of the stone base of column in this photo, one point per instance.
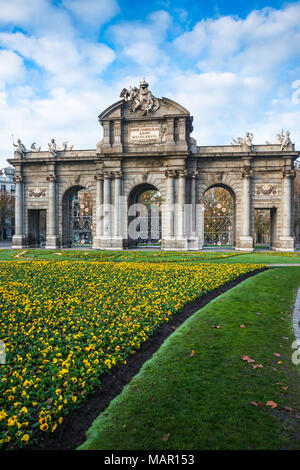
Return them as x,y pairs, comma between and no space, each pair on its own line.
286,244
52,242
18,241
195,244
108,243
245,243
168,243
181,243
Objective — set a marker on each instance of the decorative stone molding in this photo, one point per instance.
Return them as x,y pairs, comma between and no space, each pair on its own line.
266,189
37,192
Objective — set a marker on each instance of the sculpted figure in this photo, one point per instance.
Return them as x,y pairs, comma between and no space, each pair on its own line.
286,141
241,141
20,148
33,148
282,139
248,139
52,147
140,99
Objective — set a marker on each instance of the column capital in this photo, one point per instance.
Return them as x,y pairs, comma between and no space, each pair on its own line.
193,174
18,179
288,173
107,175
51,178
170,173
99,176
118,174
182,173
247,172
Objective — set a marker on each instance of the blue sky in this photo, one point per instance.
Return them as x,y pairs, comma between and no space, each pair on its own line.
234,65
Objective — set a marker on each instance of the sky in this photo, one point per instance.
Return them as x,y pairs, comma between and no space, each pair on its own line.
234,65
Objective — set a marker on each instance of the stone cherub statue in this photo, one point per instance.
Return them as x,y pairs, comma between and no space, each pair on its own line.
20,148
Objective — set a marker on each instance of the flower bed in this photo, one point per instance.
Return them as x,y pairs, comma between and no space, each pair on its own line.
66,323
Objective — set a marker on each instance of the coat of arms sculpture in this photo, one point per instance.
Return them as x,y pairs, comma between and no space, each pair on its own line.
140,98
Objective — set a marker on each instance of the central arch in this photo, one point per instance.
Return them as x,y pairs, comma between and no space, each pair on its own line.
144,216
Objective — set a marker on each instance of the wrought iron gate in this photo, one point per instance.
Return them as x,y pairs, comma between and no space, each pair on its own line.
80,217
218,217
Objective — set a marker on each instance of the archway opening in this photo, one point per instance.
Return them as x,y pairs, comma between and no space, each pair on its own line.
77,217
144,217
262,228
218,217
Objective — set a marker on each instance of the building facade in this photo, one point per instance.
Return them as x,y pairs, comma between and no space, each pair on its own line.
65,196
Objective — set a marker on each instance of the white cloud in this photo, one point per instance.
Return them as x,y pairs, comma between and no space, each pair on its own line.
37,15
94,12
67,63
11,67
265,39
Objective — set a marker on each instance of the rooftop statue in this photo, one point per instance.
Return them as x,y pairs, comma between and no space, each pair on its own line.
282,139
33,148
140,98
244,141
20,148
52,147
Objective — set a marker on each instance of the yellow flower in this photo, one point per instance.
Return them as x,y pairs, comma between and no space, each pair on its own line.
2,415
44,427
25,438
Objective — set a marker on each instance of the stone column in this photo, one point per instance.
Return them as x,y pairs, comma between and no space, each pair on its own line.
117,242
117,135
107,204
181,240
99,209
194,176
170,132
181,130
18,239
106,133
287,242
52,238
246,238
168,211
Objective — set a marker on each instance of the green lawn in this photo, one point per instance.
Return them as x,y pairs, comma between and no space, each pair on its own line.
196,391
152,256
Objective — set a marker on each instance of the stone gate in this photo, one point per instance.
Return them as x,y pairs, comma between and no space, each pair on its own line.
147,144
